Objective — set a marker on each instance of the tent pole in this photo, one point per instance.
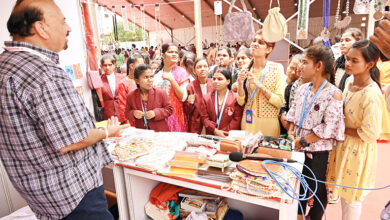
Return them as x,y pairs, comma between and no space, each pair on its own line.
198,28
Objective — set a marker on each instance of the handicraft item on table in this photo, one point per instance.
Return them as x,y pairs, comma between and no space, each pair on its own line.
275,147
275,25
219,160
132,149
238,26
251,178
303,19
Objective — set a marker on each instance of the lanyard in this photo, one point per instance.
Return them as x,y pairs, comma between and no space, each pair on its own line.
219,115
26,49
305,110
145,120
261,78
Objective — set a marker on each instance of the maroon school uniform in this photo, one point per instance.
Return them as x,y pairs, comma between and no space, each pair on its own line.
158,101
231,117
195,124
111,102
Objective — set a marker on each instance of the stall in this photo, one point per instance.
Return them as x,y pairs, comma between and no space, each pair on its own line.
144,159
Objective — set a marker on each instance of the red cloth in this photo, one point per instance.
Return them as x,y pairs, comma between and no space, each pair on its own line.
231,118
158,101
110,101
195,124
125,87
164,192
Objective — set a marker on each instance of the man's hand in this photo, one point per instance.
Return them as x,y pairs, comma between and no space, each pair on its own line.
150,114
114,128
95,135
138,114
381,37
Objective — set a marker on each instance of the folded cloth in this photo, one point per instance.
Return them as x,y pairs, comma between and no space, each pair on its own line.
24,213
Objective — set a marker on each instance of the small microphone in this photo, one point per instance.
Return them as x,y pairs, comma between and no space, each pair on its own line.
238,156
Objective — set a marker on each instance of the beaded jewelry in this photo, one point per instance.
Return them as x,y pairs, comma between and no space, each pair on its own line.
302,16
325,33
340,24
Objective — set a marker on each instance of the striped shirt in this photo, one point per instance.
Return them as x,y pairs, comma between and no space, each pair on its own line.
40,113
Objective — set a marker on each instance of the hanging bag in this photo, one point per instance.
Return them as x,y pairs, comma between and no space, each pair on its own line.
238,26
275,25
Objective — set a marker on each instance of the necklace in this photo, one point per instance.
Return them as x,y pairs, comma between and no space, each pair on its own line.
302,19
325,34
347,100
363,84
340,24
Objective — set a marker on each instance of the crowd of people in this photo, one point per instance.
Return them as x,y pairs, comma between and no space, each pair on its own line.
333,110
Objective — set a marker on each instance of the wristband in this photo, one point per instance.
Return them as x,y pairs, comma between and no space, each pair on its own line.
303,142
105,130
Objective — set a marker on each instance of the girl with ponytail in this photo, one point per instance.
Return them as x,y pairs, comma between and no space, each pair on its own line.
316,122
353,162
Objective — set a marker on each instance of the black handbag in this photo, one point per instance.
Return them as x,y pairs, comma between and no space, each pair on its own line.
97,106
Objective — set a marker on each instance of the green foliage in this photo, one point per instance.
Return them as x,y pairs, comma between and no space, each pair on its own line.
125,36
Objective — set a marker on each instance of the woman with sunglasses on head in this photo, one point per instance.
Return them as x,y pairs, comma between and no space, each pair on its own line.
261,90
220,110
174,80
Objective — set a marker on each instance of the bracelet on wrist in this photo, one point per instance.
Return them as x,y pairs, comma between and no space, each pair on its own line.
303,142
105,130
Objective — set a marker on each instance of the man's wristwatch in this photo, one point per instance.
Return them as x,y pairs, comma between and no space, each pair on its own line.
303,142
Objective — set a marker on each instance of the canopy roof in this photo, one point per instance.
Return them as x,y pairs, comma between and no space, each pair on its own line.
180,13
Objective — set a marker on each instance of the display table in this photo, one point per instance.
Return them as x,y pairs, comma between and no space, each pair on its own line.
133,186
